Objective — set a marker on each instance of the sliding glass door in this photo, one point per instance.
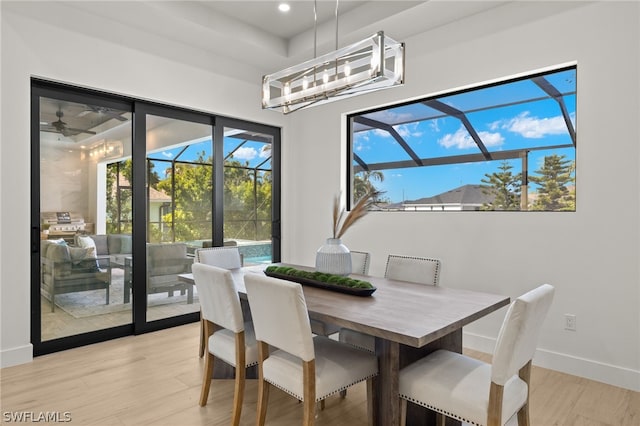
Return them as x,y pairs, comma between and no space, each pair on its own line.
124,192
249,179
179,206
78,285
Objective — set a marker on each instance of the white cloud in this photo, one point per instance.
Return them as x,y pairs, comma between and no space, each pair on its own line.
381,133
462,140
404,130
167,154
244,153
408,130
265,152
534,127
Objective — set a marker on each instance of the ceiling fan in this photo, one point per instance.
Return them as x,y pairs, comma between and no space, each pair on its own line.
108,112
60,126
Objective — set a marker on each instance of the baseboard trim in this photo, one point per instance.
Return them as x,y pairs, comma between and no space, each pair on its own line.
606,373
16,356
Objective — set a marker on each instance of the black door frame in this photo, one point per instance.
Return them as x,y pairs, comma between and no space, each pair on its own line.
139,109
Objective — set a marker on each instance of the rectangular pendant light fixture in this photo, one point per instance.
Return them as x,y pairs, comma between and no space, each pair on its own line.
372,64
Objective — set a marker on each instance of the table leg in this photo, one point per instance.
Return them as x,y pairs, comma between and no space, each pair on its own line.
394,356
386,395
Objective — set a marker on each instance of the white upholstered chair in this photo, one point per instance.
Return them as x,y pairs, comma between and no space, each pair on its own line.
230,338
360,262
421,270
472,391
222,257
307,367
359,265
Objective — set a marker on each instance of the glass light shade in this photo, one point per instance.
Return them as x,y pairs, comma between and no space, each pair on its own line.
346,72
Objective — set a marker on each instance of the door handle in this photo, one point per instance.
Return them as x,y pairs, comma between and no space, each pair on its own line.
35,239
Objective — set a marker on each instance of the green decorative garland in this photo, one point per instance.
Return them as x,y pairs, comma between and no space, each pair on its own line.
320,277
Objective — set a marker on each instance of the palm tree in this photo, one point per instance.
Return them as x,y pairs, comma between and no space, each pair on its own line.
363,184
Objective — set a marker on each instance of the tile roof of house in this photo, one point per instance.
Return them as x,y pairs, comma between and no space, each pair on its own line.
463,195
154,194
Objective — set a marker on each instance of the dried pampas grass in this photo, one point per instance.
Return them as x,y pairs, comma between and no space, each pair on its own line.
342,221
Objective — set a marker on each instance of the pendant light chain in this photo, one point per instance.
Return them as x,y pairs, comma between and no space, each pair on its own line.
337,24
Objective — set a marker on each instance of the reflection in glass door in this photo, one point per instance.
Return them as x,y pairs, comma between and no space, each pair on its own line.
81,272
179,170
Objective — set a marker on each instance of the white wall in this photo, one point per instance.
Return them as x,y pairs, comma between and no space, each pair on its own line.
591,256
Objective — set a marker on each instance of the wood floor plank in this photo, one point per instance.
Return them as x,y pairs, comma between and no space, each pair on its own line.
155,378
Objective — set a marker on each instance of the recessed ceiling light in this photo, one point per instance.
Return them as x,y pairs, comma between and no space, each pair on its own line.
284,7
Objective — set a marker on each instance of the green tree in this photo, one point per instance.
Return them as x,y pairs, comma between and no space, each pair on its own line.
119,208
192,190
504,186
363,183
555,176
247,201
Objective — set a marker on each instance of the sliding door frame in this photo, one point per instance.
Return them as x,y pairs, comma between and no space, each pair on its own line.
42,88
139,109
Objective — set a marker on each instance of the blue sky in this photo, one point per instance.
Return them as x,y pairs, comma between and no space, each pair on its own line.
512,125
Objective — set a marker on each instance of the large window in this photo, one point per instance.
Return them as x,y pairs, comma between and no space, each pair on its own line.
505,146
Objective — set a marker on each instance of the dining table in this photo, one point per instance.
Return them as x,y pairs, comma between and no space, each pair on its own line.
408,321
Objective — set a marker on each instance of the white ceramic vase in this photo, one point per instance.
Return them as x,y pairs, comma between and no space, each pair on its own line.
333,258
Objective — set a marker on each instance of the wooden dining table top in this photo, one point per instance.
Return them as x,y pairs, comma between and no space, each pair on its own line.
398,311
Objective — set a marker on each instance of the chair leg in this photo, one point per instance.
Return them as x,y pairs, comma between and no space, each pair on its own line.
203,340
263,386
494,415
206,379
403,411
371,384
523,413
441,419
241,371
238,395
309,390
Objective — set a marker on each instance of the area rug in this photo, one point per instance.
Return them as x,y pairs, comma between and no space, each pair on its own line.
84,304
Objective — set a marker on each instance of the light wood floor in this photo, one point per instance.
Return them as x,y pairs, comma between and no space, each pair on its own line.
155,378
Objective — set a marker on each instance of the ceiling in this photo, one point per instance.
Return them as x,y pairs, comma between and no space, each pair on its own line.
286,25
245,39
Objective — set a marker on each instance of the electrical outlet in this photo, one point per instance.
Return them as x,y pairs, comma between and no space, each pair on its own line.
570,322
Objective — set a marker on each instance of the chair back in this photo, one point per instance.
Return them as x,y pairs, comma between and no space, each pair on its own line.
360,262
219,298
222,257
419,270
280,316
518,337
167,259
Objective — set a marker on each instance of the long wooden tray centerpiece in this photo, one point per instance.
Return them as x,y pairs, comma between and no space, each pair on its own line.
330,282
